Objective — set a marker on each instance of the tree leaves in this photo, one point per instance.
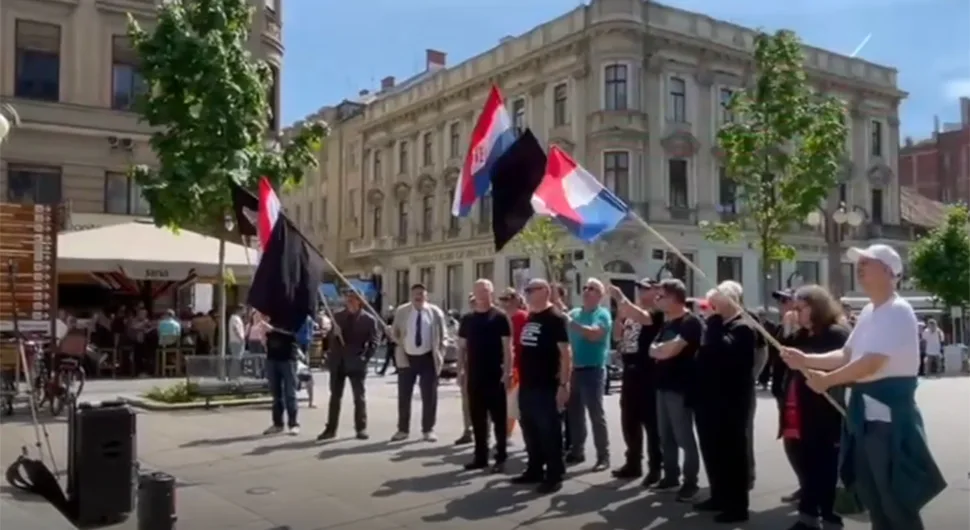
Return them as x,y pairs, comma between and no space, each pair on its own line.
940,261
542,239
207,100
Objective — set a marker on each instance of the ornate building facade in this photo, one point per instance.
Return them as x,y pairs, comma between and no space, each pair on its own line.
635,91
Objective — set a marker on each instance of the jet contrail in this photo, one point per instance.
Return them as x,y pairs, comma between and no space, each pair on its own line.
861,45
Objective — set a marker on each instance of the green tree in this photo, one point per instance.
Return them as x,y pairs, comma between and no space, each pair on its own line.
939,262
206,99
542,239
782,152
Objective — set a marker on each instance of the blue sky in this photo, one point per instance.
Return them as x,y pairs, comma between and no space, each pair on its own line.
335,48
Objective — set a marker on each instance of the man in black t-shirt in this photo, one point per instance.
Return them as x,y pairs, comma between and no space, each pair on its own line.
674,349
545,361
638,397
485,346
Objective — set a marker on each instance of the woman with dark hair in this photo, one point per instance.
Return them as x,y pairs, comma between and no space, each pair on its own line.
807,417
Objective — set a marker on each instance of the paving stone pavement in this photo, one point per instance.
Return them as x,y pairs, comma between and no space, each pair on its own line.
232,478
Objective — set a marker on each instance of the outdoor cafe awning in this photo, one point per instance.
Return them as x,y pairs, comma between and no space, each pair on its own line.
143,251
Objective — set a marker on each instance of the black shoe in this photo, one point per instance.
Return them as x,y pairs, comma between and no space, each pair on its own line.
832,520
549,486
572,460
707,505
731,517
465,438
652,478
666,484
687,493
327,434
602,464
476,464
799,525
362,435
792,497
527,479
628,472
497,467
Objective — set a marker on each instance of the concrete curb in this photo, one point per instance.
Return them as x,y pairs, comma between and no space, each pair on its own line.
158,406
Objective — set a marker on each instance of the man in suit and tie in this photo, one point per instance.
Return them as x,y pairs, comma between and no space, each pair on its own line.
419,331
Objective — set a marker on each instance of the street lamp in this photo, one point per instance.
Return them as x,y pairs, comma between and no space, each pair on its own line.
228,223
378,280
834,225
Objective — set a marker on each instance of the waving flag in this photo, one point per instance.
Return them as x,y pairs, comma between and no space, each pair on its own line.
269,212
576,199
491,138
516,177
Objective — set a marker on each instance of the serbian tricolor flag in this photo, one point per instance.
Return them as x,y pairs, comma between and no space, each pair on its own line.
491,138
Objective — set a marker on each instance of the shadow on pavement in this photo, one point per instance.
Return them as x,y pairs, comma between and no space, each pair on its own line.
497,498
289,446
20,495
661,511
24,418
363,449
436,452
205,442
424,483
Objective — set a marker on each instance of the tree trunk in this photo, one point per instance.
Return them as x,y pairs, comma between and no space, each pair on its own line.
223,322
834,252
765,266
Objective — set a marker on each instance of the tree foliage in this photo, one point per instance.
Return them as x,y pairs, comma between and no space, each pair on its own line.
783,151
207,99
542,239
940,261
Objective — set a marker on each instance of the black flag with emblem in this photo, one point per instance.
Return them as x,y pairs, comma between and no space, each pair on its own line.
245,206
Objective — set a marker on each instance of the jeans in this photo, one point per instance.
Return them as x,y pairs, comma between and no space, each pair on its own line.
676,421
586,395
541,426
872,462
420,370
281,376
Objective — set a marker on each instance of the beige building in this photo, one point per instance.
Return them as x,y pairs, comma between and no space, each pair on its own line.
70,74
634,91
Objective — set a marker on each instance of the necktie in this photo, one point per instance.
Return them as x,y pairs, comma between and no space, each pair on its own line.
417,331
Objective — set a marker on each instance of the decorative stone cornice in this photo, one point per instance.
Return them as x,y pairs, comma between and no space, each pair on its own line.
680,144
581,72
893,122
704,78
426,184
537,89
402,190
879,174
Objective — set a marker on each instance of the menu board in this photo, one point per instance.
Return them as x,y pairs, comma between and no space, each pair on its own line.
28,267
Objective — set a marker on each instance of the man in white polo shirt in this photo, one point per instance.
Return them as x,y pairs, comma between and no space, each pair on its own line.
880,363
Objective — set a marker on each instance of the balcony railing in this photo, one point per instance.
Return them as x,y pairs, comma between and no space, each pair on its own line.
683,214
452,232
377,244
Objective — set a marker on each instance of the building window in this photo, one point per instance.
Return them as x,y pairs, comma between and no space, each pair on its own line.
808,271
126,81
775,275
427,217
454,140
271,99
377,220
875,143
843,193
560,105
677,183
426,277
616,173
402,156
677,100
427,154
684,273
876,206
615,87
38,60
848,277
33,184
727,193
485,270
402,221
123,196
376,165
454,224
402,286
454,287
519,273
729,268
726,95
518,116
485,213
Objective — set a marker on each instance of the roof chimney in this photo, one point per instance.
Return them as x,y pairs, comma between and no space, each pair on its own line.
965,111
909,141
434,60
936,126
363,92
387,83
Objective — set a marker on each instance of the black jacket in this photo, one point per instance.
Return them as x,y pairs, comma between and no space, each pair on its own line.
724,367
354,347
820,422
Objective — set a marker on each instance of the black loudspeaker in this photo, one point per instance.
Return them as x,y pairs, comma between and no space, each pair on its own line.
102,463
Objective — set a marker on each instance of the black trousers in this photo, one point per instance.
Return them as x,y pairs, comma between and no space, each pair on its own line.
339,376
541,426
389,359
487,401
566,432
723,438
819,464
638,415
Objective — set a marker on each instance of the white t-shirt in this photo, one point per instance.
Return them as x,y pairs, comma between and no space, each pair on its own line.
891,330
410,343
237,330
934,341
60,329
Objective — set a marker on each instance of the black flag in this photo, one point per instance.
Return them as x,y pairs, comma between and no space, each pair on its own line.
287,281
245,206
515,178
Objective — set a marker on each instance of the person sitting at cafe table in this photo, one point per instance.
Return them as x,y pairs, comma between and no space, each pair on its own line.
169,329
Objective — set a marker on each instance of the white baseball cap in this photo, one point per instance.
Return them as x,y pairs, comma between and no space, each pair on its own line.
884,254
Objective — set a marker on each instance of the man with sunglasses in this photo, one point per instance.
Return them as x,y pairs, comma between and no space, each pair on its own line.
545,367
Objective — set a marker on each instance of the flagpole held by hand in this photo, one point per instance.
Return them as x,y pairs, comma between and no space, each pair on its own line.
754,323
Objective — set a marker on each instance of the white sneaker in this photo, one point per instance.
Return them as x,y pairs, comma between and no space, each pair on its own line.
293,431
274,429
400,436
430,437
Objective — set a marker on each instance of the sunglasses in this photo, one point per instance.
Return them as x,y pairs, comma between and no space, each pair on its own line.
590,288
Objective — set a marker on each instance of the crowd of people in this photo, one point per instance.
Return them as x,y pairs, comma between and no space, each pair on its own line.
688,392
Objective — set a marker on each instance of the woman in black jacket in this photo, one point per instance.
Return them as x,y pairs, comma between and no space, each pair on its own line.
810,419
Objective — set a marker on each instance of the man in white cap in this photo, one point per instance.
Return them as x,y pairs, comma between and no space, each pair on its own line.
884,430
